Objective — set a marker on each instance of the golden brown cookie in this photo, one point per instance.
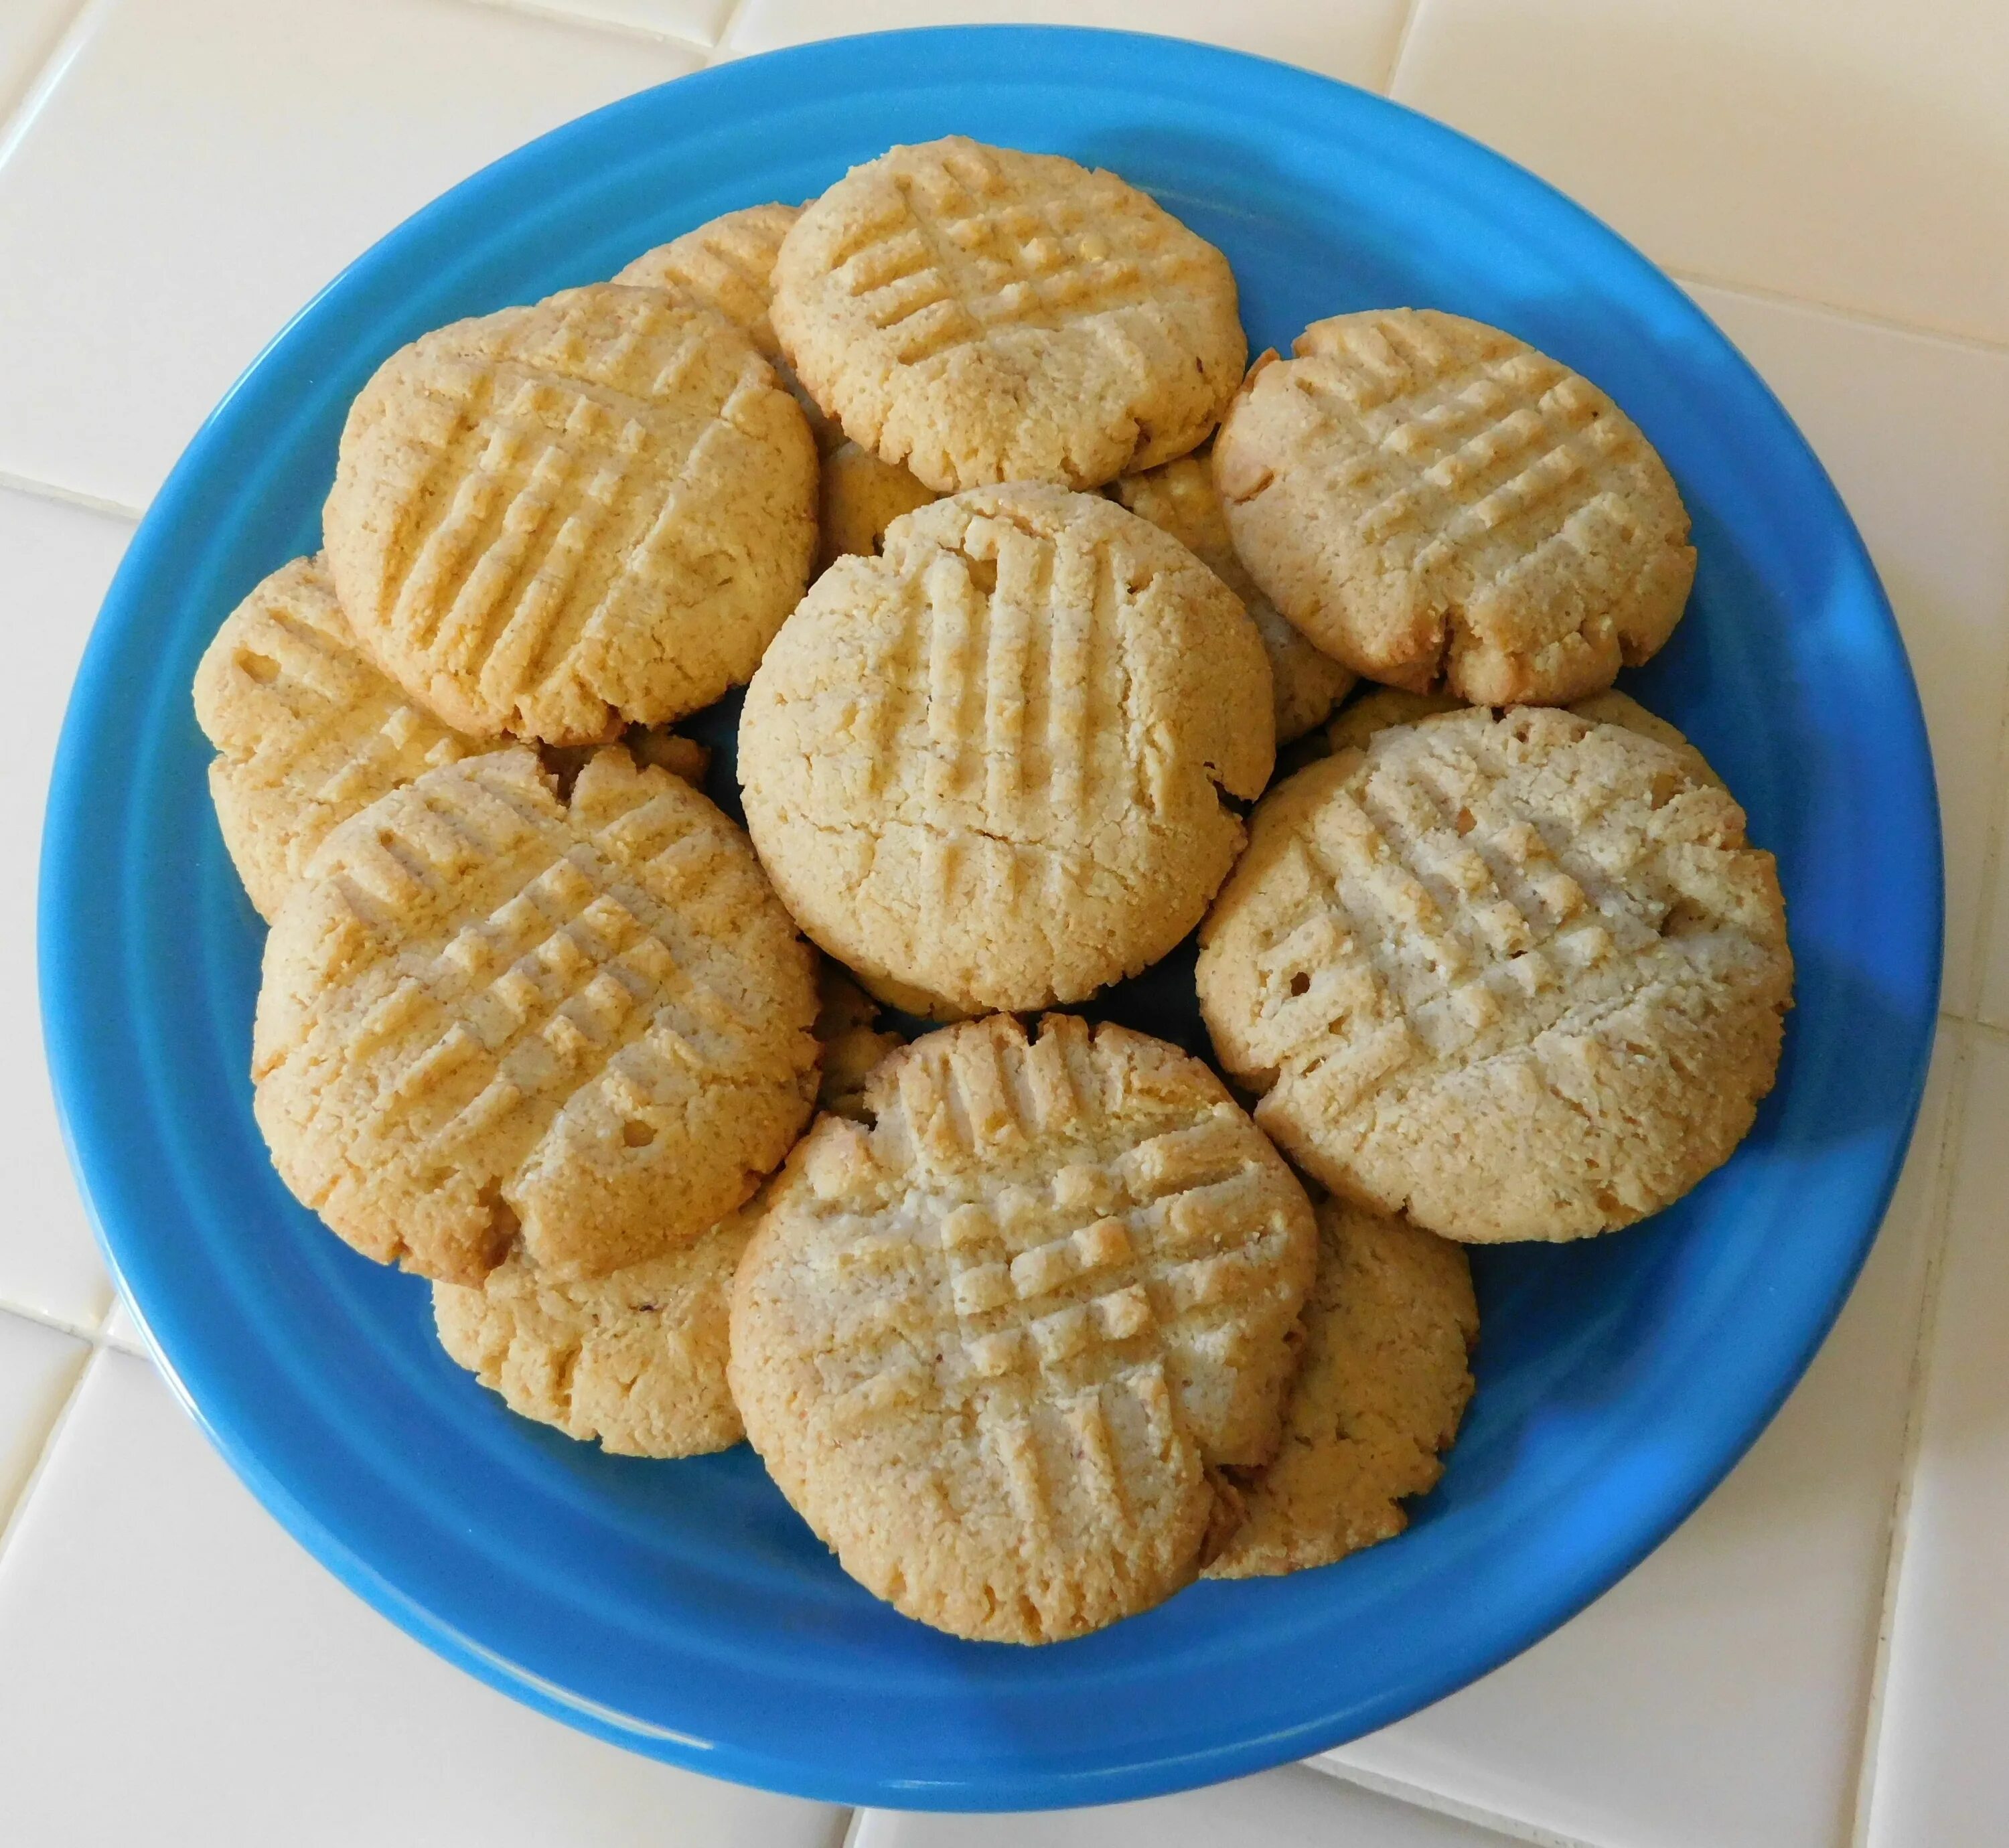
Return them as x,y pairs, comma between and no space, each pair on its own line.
862,497
991,1346
980,315
1519,973
558,520
1380,1389
726,265
991,765
1436,502
490,1015
636,1359
306,731
1181,497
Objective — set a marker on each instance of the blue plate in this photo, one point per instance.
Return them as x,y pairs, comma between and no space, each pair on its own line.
681,1608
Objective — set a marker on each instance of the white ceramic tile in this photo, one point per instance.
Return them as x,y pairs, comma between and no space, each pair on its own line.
206,166
1853,152
1939,1774
1355,41
38,1367
1914,430
177,1670
1292,1808
55,561
1717,1695
29,31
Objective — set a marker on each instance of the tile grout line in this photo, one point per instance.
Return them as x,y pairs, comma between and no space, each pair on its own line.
1421,1796
1781,298
1939,1211
92,1333
69,496
41,86
854,1827
1408,25
727,27
16,1514
557,13
1990,871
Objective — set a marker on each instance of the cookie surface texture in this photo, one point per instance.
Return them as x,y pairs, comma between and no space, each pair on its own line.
1379,1393
307,732
635,1359
555,520
1379,708
488,1014
988,767
726,265
991,1346
1435,503
1181,498
978,315
1522,974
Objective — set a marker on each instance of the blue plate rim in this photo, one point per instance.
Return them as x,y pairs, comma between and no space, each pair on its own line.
88,1111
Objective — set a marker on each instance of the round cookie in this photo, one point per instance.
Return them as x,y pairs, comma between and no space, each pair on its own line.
861,496
558,520
306,731
979,315
489,1016
992,1346
636,1359
1519,973
1379,1391
1380,707
1436,502
989,768
726,265
1180,497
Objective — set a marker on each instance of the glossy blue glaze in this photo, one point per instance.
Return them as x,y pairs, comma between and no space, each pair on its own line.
681,1607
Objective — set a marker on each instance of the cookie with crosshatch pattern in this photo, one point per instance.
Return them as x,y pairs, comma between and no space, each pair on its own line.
990,768
1435,503
1519,973
491,1017
1180,497
636,1359
978,314
992,1344
555,520
1378,1395
307,732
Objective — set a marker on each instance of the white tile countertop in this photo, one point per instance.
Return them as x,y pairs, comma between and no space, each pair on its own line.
1819,1658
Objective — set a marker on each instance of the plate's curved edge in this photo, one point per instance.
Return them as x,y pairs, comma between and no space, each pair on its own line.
67,998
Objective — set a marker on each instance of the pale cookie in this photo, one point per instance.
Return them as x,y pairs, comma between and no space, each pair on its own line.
1436,502
1380,707
1181,497
991,1347
487,1012
727,266
988,768
636,1359
980,315
1380,1389
862,497
558,520
847,1028
306,731
1520,974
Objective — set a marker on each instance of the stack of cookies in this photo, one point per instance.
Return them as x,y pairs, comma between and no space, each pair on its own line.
960,471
